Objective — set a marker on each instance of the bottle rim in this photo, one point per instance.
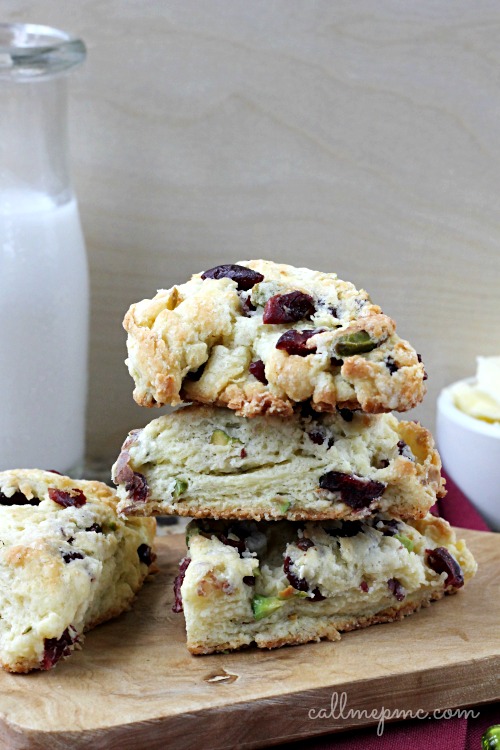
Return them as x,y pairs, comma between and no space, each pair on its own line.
31,51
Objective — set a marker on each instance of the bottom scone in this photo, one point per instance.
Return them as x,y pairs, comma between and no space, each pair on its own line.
287,583
67,563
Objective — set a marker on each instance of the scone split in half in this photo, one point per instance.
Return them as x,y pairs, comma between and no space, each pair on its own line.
259,336
67,563
206,461
288,583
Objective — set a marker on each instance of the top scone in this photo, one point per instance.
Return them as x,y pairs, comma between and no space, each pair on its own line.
259,336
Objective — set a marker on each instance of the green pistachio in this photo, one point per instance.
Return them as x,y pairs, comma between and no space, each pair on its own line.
219,437
284,507
491,738
405,541
263,606
359,342
27,630
180,487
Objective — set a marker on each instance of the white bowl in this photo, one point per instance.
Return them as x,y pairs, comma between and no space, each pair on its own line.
470,451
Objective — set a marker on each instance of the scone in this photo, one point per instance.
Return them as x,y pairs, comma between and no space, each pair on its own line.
258,337
67,563
206,461
288,583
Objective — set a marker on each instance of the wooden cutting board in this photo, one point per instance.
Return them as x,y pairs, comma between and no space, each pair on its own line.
135,686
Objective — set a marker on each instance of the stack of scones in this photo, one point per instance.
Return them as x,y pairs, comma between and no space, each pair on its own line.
310,500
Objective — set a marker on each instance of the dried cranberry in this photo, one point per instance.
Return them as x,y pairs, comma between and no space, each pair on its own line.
95,527
69,556
244,277
249,580
246,306
336,362
288,308
364,586
196,374
305,544
388,527
425,376
137,488
258,371
73,499
298,583
243,453
419,357
295,342
18,499
179,580
346,414
54,471
238,544
396,589
391,365
347,529
146,554
354,491
317,596
55,648
441,561
316,437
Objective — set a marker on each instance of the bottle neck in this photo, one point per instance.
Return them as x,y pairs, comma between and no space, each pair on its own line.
34,140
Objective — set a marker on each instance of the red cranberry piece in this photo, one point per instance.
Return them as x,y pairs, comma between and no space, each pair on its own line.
298,583
316,437
295,342
244,277
55,648
238,544
396,589
18,499
246,306
73,499
305,544
243,453
146,554
249,580
317,596
346,414
441,561
354,491
69,556
288,308
388,527
53,471
364,586
419,357
179,580
347,529
95,527
258,371
391,365
137,488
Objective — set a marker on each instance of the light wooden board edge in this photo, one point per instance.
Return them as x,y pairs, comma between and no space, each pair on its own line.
255,724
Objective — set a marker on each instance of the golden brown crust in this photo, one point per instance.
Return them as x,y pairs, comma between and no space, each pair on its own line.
331,631
201,322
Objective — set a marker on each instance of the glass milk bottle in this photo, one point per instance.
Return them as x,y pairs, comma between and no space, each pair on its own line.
43,266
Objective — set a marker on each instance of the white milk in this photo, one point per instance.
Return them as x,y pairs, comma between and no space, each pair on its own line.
43,333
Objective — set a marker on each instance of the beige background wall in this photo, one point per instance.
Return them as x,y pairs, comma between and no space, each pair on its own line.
361,137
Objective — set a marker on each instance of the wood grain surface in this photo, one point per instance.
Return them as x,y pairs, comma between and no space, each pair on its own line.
134,685
359,137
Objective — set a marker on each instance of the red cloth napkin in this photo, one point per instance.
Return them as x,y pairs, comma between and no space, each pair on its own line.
444,734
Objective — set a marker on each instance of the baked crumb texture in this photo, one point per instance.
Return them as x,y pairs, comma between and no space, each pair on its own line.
209,462
206,341
285,583
67,563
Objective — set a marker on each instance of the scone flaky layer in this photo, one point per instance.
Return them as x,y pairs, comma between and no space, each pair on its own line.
284,583
206,461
